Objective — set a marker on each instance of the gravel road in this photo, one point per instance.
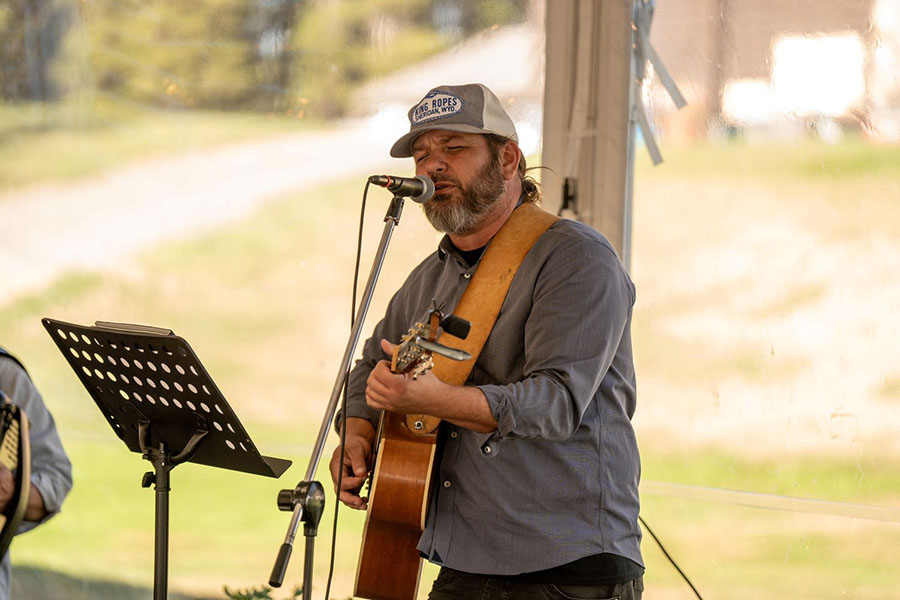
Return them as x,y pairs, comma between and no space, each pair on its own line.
101,222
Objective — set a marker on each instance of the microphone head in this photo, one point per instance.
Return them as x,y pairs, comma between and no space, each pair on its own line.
427,193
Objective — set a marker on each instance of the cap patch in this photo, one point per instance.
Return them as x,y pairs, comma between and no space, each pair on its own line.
436,105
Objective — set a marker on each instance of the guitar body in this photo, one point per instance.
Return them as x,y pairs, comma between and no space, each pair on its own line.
389,563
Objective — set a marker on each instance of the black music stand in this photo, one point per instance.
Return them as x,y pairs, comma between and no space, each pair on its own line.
161,402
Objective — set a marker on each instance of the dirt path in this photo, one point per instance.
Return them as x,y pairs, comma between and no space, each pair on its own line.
101,222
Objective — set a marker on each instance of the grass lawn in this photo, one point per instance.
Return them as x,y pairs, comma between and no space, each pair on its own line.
722,365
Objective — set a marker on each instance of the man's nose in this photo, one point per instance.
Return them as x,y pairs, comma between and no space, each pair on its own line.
433,163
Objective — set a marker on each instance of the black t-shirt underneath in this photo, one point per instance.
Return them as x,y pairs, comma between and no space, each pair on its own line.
471,256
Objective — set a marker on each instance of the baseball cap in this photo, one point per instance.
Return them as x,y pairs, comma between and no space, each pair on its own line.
470,108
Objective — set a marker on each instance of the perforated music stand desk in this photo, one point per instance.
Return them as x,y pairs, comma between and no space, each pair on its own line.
161,402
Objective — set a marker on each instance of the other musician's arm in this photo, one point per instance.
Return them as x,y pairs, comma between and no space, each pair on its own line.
34,509
51,471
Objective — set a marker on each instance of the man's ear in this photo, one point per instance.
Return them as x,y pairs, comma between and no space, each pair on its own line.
509,159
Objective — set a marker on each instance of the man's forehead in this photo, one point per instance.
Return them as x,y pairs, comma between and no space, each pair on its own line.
440,136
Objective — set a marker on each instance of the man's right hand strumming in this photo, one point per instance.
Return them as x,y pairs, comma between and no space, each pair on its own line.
360,437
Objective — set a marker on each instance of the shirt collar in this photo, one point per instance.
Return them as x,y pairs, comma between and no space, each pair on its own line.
445,247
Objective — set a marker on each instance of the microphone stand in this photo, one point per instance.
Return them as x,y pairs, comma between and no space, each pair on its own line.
307,499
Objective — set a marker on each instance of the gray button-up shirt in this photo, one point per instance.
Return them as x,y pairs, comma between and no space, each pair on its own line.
558,480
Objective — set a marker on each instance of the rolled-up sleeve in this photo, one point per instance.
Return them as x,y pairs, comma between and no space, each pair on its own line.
51,471
581,303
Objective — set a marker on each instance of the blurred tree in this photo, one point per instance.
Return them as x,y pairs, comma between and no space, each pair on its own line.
339,44
30,35
471,16
175,53
273,23
299,57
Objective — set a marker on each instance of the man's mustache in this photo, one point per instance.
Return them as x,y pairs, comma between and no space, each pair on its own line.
444,179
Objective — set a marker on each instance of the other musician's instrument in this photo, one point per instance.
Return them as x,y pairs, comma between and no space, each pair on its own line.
15,453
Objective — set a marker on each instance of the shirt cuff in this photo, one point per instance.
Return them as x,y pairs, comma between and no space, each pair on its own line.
43,482
500,409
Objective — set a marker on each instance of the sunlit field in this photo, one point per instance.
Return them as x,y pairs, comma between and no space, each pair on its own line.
767,320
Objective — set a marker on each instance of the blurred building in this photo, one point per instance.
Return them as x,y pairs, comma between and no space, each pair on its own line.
776,67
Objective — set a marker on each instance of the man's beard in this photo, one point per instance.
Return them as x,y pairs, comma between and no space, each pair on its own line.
478,198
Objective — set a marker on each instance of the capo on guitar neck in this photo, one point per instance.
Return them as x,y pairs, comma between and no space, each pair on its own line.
414,354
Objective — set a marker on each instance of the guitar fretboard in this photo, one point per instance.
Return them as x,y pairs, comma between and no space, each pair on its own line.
9,447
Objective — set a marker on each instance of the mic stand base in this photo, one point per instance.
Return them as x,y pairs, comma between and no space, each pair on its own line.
307,502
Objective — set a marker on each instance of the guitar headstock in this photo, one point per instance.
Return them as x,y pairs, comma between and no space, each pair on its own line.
410,356
414,354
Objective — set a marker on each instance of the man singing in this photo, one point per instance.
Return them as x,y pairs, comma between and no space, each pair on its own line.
537,470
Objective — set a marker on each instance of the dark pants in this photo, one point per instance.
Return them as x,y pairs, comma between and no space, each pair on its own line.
452,584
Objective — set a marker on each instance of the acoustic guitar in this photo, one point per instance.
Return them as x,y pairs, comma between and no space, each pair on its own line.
15,453
389,563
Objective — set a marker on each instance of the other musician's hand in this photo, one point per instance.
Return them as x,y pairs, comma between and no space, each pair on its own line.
360,436
34,507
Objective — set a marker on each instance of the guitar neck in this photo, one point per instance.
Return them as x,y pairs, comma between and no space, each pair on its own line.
9,448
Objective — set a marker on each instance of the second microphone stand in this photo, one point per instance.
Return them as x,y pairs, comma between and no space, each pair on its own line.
307,499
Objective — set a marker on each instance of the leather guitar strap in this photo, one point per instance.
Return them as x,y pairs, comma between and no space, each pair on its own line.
481,302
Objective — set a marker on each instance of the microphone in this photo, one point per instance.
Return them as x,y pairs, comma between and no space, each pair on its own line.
418,189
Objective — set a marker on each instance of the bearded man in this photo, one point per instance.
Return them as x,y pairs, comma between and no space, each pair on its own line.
537,469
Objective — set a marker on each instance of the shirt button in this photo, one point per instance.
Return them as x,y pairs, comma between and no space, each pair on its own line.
467,275
454,434
447,484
